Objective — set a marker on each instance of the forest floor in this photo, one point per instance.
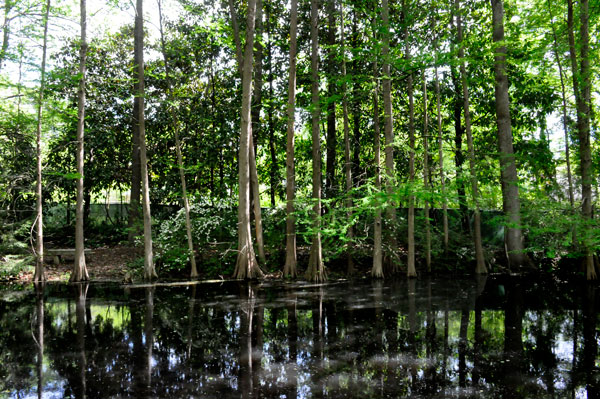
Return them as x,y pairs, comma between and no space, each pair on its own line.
103,264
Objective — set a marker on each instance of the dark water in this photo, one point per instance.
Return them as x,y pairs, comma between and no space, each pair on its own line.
500,337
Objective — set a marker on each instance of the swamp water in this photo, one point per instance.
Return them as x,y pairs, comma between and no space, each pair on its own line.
443,338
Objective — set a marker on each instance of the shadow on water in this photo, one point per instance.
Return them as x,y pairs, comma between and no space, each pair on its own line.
482,338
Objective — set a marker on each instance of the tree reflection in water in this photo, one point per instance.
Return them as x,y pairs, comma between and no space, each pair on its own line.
444,338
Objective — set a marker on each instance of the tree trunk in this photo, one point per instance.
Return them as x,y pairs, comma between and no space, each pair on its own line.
39,336
149,272
459,157
347,162
80,272
289,269
564,111
565,122
256,128
388,122
81,323
480,268
254,186
136,165
377,270
426,174
246,266
8,4
508,168
330,190
273,172
582,90
175,121
441,150
410,267
39,274
316,269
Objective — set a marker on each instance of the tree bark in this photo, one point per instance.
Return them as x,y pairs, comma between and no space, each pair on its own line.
564,111
426,174
175,121
39,274
438,103
254,186
256,127
246,266
330,187
136,165
388,122
410,267
582,90
8,4
289,269
149,272
316,269
80,272
377,270
508,168
480,267
347,161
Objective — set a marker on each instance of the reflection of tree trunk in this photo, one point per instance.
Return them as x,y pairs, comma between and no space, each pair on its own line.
245,356
462,348
291,373
412,323
318,345
149,335
80,311
446,346
137,385
590,343
513,344
191,321
257,345
574,361
39,302
430,344
379,327
477,346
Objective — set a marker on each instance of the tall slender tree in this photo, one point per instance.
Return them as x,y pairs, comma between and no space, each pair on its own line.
149,271
80,272
377,270
39,274
513,238
347,161
331,138
410,267
388,123
426,174
480,267
438,104
246,266
316,268
582,90
289,269
175,122
254,185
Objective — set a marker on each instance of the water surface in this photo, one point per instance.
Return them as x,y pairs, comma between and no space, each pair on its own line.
439,338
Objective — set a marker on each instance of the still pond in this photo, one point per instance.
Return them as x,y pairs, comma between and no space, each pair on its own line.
492,337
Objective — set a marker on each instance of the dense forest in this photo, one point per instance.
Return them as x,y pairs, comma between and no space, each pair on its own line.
263,137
